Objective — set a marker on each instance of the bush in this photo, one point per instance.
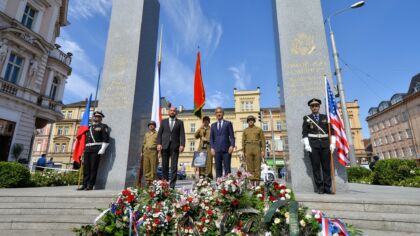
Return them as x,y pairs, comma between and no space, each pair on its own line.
358,174
13,174
53,178
393,171
410,182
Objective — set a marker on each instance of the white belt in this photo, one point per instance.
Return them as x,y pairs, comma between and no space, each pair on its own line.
93,144
318,135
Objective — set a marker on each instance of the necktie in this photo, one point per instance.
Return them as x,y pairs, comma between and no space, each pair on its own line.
220,125
172,124
317,117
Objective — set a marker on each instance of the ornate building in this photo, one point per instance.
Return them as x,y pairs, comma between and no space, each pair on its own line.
394,125
33,71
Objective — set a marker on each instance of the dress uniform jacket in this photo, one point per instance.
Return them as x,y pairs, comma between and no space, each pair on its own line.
253,143
150,155
205,146
317,137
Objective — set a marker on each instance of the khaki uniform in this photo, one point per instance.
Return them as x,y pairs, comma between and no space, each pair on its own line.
205,146
150,155
253,143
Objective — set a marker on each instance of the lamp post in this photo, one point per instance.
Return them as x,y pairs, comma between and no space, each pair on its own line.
340,82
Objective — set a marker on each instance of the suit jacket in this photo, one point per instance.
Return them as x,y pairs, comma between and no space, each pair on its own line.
221,140
176,137
309,128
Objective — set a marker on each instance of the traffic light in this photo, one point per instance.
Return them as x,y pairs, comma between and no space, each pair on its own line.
267,148
260,114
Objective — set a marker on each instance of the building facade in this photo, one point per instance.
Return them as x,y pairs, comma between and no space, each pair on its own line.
33,71
394,125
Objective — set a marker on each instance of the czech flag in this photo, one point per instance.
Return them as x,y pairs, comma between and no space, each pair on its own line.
79,146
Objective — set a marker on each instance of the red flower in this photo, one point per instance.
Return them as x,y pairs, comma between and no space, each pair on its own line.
157,210
145,217
118,212
209,212
130,198
272,199
203,219
239,173
156,221
152,194
283,186
224,191
126,192
149,208
235,202
168,218
185,208
190,199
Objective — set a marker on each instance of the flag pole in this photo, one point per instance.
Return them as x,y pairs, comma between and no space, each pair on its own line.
329,138
96,92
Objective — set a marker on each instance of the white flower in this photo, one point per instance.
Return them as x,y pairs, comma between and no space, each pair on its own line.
156,215
276,221
125,218
205,229
287,196
317,216
335,234
302,223
288,190
282,198
286,214
258,188
282,191
259,195
308,216
190,231
287,220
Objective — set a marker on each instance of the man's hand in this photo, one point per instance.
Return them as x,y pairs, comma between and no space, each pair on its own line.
307,146
159,147
213,152
262,154
230,149
332,145
181,149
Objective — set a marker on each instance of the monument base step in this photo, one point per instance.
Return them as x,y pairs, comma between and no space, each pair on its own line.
371,232
37,232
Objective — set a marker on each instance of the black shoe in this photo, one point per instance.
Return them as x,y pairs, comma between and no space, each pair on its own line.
327,191
89,188
321,191
81,188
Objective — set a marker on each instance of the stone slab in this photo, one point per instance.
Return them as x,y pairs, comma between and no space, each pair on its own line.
302,62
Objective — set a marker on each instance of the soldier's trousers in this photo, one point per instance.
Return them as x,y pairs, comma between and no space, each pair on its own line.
90,168
320,157
208,170
150,164
253,160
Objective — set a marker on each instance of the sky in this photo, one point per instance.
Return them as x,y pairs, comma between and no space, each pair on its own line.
378,48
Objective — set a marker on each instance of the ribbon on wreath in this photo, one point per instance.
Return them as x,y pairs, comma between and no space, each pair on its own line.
330,226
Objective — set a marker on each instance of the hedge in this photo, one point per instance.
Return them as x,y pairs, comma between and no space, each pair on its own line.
13,174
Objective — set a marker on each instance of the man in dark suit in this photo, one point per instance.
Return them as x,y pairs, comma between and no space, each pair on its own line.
316,140
171,142
222,142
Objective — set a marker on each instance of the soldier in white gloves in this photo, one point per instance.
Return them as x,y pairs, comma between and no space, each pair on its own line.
97,140
316,140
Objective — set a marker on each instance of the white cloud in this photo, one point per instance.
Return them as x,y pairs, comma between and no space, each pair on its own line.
192,26
82,81
216,99
86,9
241,76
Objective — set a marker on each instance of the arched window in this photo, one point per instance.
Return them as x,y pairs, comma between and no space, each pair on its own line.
54,87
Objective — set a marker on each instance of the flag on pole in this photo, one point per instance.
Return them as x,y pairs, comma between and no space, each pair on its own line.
80,143
337,125
156,107
199,93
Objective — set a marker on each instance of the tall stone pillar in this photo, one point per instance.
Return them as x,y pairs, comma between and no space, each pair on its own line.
302,62
127,88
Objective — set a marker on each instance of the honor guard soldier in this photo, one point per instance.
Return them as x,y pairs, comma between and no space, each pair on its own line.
204,135
97,140
315,134
150,153
253,143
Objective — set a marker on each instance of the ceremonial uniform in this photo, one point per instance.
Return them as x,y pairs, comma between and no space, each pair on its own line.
315,134
253,143
204,135
150,155
97,139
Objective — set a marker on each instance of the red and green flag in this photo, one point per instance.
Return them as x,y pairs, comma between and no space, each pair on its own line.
199,93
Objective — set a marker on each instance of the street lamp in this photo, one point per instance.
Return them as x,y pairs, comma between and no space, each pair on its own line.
340,82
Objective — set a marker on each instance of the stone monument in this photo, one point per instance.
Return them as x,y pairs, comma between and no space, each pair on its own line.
127,88
302,62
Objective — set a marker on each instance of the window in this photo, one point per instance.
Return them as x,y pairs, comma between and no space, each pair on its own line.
13,69
400,134
66,130
56,147
381,125
374,142
408,133
394,120
394,154
244,124
401,153
412,150
409,152
63,147
192,146
28,16
247,106
278,125
265,126
192,127
386,139
380,141
417,88
387,123
395,137
69,115
38,147
53,90
386,155
59,130
391,138
376,128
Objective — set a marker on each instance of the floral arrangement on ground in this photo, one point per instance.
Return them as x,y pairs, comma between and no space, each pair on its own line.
229,206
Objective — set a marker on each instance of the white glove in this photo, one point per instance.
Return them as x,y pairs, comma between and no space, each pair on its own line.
103,148
332,144
306,143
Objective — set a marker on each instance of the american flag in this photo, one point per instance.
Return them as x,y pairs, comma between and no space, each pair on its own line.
337,125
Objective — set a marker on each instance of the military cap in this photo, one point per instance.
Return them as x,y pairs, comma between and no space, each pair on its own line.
314,101
206,118
152,123
250,117
98,113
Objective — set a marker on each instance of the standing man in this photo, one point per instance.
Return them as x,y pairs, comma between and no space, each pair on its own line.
253,143
222,143
150,153
97,140
204,135
171,141
315,138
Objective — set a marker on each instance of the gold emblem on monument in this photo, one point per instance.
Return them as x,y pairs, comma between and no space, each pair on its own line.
303,44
